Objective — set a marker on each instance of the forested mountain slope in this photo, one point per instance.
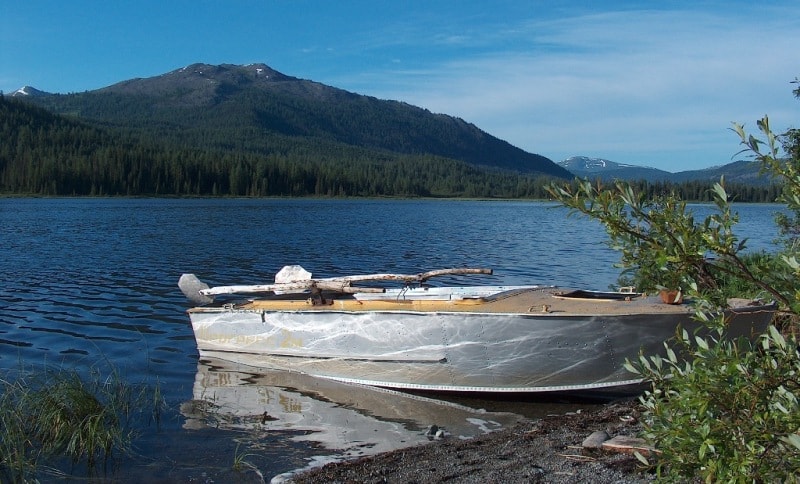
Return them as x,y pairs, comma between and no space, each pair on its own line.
47,154
255,109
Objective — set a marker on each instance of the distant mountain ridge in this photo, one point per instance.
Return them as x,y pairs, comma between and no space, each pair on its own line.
743,171
233,109
255,108
583,166
29,91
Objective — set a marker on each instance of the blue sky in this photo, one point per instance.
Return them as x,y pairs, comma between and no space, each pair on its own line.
646,83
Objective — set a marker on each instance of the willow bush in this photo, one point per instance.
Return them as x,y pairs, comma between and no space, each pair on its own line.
728,414
719,409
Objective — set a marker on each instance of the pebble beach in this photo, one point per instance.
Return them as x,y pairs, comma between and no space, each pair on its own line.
554,449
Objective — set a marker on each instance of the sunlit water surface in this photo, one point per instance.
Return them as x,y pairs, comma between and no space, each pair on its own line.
91,284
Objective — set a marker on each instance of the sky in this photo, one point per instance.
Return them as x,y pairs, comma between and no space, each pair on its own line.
645,83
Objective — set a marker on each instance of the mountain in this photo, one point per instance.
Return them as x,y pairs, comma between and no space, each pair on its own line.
256,109
43,153
28,91
744,172
585,167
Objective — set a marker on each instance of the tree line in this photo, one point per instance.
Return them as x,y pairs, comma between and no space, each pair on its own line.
701,190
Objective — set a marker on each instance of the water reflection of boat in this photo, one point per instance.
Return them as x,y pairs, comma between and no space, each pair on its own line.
463,339
349,420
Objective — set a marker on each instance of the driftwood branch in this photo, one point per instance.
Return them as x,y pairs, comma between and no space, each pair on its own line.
421,277
341,284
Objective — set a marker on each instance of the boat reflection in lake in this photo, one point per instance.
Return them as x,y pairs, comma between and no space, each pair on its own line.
348,420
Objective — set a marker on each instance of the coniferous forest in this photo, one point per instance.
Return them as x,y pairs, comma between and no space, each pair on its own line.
49,155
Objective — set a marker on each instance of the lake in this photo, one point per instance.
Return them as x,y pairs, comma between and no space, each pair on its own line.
92,284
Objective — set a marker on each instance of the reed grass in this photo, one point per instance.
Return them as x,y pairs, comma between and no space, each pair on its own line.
49,416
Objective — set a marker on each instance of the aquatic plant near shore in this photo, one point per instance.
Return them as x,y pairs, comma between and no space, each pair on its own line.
48,416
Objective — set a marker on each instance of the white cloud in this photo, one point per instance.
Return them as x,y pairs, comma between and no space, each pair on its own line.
657,88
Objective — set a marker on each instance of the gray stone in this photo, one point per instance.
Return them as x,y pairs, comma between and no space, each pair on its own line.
595,441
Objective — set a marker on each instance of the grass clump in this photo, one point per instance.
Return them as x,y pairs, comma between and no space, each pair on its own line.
53,417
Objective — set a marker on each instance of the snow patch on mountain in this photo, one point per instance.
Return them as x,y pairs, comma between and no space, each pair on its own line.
589,164
28,91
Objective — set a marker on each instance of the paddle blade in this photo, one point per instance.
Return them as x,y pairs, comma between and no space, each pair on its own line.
191,286
292,274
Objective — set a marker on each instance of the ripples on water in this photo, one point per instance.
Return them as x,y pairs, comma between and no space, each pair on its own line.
92,282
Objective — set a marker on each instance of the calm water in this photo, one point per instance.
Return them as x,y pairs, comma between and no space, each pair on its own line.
92,283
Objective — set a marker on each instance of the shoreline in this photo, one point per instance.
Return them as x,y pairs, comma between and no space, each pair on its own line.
544,450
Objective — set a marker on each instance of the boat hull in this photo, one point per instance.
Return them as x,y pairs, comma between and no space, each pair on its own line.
461,350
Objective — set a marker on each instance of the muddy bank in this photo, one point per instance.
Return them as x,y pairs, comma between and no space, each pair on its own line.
546,450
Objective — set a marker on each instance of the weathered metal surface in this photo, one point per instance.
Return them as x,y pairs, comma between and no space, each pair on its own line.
523,340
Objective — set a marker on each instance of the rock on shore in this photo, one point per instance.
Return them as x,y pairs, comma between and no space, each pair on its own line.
548,450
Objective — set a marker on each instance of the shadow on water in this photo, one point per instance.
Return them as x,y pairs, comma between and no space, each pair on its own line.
538,405
246,423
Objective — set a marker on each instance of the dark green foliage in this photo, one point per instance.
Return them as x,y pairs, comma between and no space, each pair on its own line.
701,191
254,109
731,414
50,155
662,246
761,264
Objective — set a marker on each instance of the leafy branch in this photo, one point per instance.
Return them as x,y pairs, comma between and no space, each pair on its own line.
661,246
720,409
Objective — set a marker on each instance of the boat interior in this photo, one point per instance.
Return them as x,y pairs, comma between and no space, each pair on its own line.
532,299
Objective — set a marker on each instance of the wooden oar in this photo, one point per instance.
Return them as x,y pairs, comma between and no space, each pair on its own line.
200,293
191,286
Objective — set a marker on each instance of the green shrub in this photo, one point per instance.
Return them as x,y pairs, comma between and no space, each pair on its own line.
729,413
719,409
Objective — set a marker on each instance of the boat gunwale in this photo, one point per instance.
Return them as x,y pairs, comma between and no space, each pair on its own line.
531,302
